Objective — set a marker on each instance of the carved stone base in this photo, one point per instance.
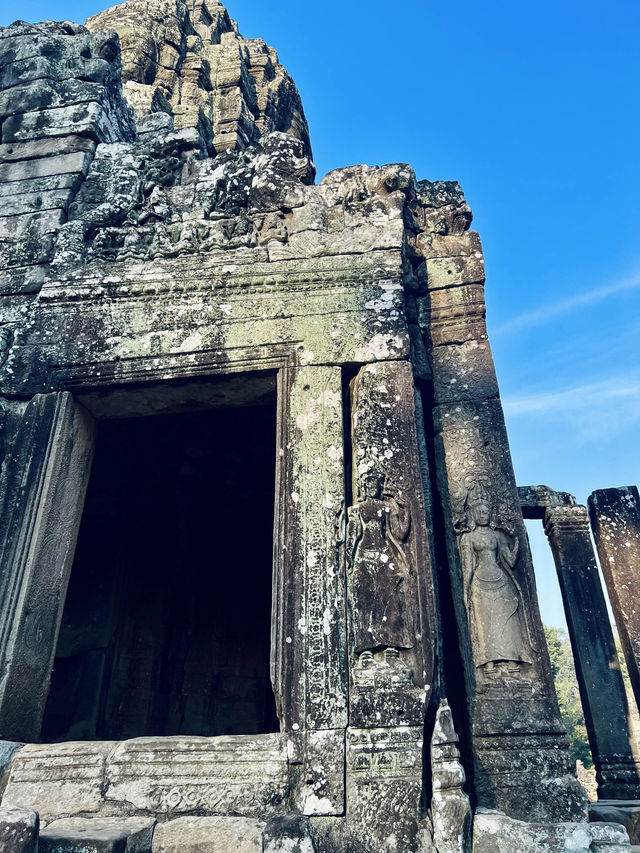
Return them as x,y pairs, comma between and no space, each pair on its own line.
384,784
494,832
509,768
209,835
383,693
625,812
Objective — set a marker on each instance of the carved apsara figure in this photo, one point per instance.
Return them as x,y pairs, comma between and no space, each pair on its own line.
378,527
493,596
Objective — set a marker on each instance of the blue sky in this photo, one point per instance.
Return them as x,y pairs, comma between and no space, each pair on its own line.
534,109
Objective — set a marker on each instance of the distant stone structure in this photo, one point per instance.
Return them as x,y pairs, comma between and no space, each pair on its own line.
264,578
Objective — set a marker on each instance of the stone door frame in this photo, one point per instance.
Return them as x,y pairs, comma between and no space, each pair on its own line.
289,645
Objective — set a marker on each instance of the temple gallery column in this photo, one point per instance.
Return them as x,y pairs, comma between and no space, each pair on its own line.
391,638
521,761
597,667
41,499
615,518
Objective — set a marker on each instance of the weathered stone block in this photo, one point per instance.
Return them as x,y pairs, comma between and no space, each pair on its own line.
58,779
18,830
209,835
14,228
291,834
623,812
450,272
61,164
320,755
31,150
464,372
97,835
46,94
26,203
494,832
34,186
453,315
384,783
243,775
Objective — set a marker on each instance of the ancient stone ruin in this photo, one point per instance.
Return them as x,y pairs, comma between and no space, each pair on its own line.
264,583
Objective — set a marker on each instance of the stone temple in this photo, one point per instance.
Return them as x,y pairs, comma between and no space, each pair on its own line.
264,578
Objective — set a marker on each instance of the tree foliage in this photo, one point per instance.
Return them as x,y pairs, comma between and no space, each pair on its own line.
564,676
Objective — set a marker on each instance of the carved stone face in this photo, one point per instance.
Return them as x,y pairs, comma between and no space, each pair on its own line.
481,513
371,483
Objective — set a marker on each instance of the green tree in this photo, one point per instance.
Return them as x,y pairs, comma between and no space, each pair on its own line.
564,676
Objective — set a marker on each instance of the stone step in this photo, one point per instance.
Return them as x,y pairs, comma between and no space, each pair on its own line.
18,831
97,835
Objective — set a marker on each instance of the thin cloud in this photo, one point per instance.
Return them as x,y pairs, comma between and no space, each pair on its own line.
596,394
593,412
566,306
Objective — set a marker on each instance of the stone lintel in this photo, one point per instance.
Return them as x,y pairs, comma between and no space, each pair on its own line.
534,500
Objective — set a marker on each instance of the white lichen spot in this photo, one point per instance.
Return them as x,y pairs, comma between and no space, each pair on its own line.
326,621
295,497
317,805
330,399
194,341
379,347
334,453
312,559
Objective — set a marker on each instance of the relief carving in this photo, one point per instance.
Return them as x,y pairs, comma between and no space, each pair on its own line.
6,341
377,533
386,553
493,595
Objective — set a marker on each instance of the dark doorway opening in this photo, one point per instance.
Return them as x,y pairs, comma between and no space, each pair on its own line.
166,624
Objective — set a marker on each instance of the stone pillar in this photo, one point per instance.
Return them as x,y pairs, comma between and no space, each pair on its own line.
41,496
596,660
521,759
615,518
309,655
309,668
391,613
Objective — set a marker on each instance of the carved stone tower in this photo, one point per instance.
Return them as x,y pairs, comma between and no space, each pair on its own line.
259,516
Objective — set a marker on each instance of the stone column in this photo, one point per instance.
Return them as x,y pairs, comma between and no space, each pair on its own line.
41,495
309,669
390,598
521,759
615,518
596,660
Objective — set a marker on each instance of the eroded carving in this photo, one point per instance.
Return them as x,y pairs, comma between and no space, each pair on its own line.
377,533
450,807
493,596
6,340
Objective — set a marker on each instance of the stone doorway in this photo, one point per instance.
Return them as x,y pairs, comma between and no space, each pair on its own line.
166,624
